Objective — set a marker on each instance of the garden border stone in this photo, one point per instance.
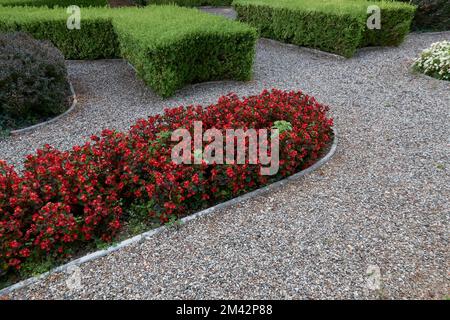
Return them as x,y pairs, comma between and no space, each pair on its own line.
312,51
52,120
148,234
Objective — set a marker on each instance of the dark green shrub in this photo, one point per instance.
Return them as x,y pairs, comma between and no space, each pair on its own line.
170,46
53,3
432,15
33,80
337,26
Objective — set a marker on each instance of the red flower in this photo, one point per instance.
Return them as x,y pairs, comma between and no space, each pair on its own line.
230,172
14,244
66,198
25,252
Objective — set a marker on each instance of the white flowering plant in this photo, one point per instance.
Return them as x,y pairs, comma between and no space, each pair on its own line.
435,61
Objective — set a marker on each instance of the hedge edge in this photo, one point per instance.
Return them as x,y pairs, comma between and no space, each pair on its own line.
148,234
192,85
41,124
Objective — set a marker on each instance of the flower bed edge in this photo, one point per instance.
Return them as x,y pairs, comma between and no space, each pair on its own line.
148,234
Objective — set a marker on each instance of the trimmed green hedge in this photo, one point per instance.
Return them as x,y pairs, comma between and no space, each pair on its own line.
172,46
54,3
337,26
169,46
396,19
96,39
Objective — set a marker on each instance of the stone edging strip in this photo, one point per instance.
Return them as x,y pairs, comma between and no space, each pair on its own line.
148,234
41,124
312,51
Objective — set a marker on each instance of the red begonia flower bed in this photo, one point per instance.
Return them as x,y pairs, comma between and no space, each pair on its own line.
63,200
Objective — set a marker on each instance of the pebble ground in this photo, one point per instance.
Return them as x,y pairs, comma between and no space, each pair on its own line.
381,202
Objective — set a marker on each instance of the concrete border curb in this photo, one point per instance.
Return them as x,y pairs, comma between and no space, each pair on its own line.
148,234
312,51
41,124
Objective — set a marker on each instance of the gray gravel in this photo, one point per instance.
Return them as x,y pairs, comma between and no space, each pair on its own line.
383,200
220,11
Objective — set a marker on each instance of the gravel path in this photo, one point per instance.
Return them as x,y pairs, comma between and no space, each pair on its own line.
221,11
383,200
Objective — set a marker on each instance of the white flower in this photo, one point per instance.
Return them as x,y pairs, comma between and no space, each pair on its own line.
435,61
